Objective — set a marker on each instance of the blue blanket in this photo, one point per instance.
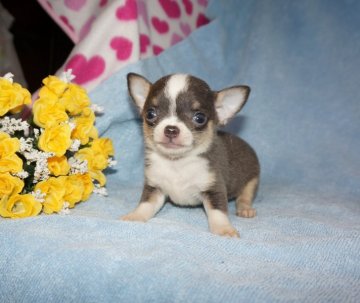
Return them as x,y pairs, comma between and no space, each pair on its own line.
302,60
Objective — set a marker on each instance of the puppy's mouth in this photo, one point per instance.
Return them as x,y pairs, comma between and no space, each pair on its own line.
170,144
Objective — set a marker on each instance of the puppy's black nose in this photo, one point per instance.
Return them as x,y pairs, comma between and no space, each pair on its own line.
171,131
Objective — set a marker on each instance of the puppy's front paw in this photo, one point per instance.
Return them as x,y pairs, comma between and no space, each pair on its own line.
225,231
133,217
246,212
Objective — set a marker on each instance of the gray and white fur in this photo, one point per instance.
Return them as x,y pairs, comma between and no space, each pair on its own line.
187,160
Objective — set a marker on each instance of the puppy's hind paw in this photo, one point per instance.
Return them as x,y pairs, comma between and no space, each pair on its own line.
226,231
133,217
246,212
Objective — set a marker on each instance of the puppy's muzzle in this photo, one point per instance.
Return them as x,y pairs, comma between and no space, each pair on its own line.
171,131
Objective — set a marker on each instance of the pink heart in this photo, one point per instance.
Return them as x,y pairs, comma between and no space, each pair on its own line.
157,49
122,46
171,8
49,4
86,27
86,70
161,26
175,39
144,42
185,28
66,22
75,5
202,20
203,2
103,3
142,10
188,6
127,11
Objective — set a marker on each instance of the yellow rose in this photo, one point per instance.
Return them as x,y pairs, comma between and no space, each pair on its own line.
12,97
54,189
48,111
56,139
96,163
103,145
19,206
84,126
10,185
45,93
58,166
75,99
9,161
87,184
74,189
55,84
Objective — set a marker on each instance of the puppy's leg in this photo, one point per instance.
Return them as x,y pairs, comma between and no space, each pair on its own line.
151,201
245,199
215,205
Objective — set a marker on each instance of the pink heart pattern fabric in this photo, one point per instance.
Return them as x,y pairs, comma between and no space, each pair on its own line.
161,26
122,47
171,8
75,5
109,34
128,11
85,69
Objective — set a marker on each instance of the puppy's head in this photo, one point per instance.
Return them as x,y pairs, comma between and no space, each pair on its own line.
181,112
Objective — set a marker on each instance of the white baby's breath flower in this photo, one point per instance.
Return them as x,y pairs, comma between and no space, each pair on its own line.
98,110
77,166
39,195
67,76
21,174
27,132
71,124
111,162
102,191
9,77
36,133
65,209
75,145
42,171
26,145
32,155
12,125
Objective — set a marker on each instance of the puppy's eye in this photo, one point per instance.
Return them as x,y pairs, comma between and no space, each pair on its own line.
199,119
151,114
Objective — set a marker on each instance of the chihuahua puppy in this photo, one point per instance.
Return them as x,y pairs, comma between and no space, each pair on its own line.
186,158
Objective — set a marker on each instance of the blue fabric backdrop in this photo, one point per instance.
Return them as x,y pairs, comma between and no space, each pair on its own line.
302,60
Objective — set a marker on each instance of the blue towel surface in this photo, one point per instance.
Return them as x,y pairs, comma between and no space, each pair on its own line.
302,61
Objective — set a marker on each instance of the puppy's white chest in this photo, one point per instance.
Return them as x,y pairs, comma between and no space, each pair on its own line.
182,180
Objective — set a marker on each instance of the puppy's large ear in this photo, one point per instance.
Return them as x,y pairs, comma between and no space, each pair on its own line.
229,101
139,88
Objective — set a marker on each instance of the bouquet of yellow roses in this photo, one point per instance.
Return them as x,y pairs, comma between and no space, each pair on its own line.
54,159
